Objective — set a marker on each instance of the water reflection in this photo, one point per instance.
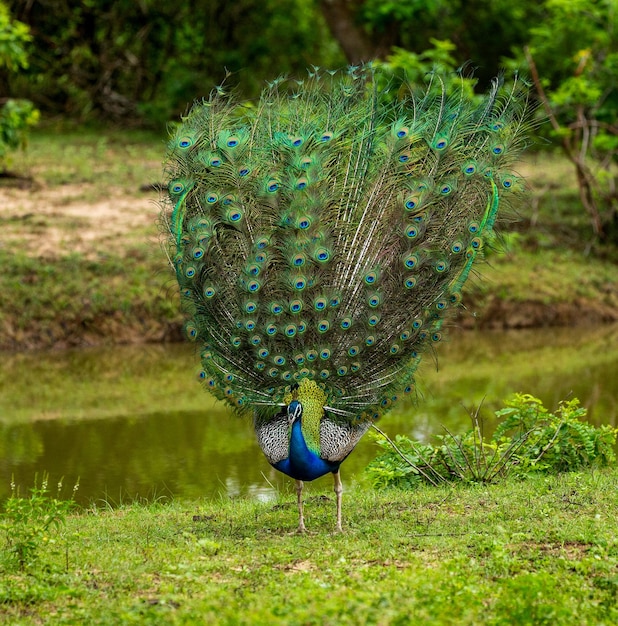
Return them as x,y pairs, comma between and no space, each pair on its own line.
132,423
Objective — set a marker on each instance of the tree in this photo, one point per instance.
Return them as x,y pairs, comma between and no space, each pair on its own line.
573,58
16,115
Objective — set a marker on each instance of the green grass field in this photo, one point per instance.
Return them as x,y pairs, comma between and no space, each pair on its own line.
539,551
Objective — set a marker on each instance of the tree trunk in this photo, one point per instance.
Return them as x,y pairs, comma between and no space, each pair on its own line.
340,17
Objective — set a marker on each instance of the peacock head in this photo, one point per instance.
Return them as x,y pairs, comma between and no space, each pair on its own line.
295,411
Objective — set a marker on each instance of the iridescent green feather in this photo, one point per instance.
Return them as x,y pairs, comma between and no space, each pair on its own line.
326,233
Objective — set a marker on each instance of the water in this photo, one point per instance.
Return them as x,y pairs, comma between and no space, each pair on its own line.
132,423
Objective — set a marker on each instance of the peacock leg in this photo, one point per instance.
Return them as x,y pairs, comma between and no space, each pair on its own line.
301,519
338,492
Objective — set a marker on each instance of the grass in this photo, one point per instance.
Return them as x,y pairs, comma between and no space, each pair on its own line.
539,551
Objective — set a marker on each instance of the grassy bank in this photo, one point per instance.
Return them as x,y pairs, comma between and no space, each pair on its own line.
541,551
82,262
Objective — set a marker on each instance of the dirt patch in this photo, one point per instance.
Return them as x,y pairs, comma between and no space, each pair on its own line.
47,221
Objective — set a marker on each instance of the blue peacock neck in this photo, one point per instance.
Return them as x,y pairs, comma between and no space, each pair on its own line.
302,463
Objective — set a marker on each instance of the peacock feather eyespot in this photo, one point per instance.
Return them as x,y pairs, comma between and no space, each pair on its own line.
346,322
187,293
272,185
404,157
507,183
410,261
335,301
441,305
373,320
300,283
407,389
263,353
250,325
276,308
303,222
441,267
286,375
236,341
476,243
342,370
445,190
374,300
198,252
401,132
323,326
417,323
290,330
370,340
190,271
371,277
299,260
410,283
255,340
201,375
411,203
302,327
353,350
312,355
324,374
435,337
244,171
253,286
212,198
260,365
474,227
394,349
176,187
185,142
497,149
271,329
326,137
251,306
440,144
355,367
273,372
325,354
262,242
457,247
191,331
209,291
319,304
302,183
306,162
211,382
299,359
321,255
496,126
296,306
405,335
229,378
279,359
469,169
215,162
232,142
412,231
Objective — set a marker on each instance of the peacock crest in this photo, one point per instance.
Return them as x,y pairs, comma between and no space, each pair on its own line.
322,235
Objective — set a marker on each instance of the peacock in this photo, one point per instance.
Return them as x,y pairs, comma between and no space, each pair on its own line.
321,236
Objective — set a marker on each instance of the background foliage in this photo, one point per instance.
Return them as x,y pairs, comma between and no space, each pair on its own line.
143,63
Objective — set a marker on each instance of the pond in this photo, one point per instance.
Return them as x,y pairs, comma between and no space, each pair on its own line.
132,422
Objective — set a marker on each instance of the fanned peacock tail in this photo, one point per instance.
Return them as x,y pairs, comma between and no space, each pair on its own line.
325,234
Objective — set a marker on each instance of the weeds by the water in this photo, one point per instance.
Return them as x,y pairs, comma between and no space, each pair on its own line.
30,523
528,439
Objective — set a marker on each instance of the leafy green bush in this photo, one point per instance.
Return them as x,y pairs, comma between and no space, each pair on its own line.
28,523
16,116
528,439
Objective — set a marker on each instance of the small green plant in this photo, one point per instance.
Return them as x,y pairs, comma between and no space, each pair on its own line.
28,523
528,439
